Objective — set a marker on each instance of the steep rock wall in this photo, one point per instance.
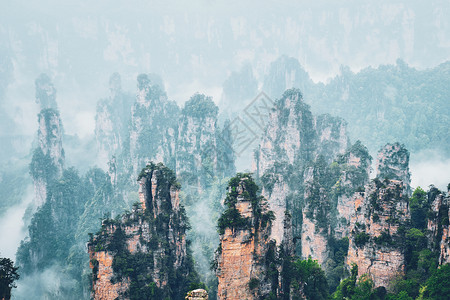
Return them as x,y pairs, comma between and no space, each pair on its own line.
153,126
244,243
48,158
149,242
293,139
112,120
375,243
438,227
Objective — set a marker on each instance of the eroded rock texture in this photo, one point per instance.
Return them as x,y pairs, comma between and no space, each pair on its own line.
393,163
293,139
438,226
153,125
48,158
244,253
374,243
144,252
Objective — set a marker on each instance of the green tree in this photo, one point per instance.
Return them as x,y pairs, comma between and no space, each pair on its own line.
346,288
419,207
307,275
438,285
8,274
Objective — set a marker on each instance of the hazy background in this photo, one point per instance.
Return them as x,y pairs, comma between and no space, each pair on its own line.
195,46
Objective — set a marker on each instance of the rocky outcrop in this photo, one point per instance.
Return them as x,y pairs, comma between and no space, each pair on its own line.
286,73
379,211
190,142
153,125
201,162
354,175
197,144
103,288
293,139
393,163
48,158
315,214
374,242
331,135
144,252
243,257
438,227
50,137
329,196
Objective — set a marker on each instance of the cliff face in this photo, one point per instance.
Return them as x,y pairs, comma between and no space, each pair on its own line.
243,257
293,139
140,252
438,227
153,126
374,242
188,141
393,163
50,137
379,211
354,175
307,167
197,145
48,158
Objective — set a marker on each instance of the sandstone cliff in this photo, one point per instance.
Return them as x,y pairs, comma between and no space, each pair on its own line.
307,167
438,226
379,212
144,252
374,243
245,253
294,139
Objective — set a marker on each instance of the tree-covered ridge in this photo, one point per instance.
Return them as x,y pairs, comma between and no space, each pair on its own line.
384,104
391,103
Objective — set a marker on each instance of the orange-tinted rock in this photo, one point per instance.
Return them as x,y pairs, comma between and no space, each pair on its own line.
103,289
240,254
153,230
373,244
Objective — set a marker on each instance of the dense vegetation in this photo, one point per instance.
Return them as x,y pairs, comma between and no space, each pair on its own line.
242,187
385,104
200,106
